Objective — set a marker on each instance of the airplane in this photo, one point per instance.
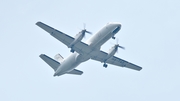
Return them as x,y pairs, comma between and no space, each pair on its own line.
83,51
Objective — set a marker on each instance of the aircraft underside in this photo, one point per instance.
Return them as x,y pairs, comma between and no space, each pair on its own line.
82,52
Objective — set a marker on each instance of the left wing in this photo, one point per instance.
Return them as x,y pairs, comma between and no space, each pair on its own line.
115,61
80,47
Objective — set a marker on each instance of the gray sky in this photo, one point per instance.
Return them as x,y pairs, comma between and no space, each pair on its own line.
150,32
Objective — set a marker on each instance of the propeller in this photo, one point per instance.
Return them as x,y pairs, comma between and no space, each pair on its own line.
121,47
85,31
118,46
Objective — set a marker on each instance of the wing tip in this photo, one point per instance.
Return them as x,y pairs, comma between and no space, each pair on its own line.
37,23
41,55
140,68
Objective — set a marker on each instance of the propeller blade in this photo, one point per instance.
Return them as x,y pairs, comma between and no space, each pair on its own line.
88,32
121,47
84,31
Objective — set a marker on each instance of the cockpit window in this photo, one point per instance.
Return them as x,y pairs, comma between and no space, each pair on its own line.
116,30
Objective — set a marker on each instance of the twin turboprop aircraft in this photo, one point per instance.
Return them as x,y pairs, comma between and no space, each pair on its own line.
82,52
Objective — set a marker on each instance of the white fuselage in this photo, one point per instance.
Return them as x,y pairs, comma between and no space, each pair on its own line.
95,42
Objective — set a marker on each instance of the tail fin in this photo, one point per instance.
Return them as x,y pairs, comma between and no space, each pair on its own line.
53,63
59,58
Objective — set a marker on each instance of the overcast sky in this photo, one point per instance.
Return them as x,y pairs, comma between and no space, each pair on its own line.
150,33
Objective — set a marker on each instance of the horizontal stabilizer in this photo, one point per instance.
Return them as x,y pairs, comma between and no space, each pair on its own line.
75,72
53,63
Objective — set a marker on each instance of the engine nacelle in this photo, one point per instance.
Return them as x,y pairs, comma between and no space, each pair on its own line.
77,39
111,53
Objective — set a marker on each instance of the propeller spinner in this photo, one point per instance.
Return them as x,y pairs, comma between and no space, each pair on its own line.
85,31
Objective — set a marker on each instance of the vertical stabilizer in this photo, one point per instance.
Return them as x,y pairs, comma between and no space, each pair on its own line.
59,58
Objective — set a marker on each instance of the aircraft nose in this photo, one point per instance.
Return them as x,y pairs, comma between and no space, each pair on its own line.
118,25
115,24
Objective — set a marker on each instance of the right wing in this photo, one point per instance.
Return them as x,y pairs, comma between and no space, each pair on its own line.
115,61
80,47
